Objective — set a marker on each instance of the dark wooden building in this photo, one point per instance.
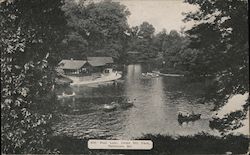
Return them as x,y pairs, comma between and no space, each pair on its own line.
88,66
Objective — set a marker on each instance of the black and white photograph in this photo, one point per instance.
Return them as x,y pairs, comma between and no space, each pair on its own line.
124,77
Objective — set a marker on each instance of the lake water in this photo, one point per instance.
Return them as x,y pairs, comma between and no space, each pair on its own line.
157,102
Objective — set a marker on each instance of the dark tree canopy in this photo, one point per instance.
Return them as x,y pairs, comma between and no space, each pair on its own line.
141,42
30,41
146,30
222,45
101,27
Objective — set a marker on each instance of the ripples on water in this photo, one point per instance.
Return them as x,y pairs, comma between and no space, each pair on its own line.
157,102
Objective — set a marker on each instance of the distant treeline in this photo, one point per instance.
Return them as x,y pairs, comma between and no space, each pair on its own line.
101,29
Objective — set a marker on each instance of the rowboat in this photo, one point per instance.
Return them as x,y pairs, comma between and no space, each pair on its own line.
187,118
64,95
170,75
110,107
149,75
127,104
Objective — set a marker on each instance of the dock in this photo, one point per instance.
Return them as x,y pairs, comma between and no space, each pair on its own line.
169,75
111,77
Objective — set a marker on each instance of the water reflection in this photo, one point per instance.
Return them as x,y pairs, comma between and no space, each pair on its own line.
157,102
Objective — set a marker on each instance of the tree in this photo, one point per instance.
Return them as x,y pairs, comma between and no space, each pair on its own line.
103,25
76,46
30,35
146,30
171,48
141,41
160,40
221,40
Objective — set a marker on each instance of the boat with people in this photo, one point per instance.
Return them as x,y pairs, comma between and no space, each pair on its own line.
110,107
127,104
188,118
149,75
114,105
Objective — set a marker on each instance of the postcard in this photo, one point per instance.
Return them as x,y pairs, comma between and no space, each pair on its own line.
128,77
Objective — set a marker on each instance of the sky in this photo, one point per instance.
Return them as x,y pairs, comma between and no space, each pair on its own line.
160,13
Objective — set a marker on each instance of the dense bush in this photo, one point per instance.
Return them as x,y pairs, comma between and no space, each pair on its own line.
27,74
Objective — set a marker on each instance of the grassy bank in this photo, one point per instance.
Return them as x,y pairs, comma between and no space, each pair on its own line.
198,144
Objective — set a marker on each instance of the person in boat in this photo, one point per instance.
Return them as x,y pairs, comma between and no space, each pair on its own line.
124,101
127,103
180,114
130,102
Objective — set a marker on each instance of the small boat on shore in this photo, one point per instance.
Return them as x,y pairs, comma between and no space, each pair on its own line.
64,95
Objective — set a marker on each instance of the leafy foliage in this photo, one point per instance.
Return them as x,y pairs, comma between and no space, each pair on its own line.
141,42
100,27
221,43
29,43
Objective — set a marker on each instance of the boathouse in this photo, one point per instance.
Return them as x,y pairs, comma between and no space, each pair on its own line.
88,66
99,64
72,66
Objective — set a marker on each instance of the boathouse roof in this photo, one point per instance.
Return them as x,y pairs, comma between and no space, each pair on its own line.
93,61
99,61
72,64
